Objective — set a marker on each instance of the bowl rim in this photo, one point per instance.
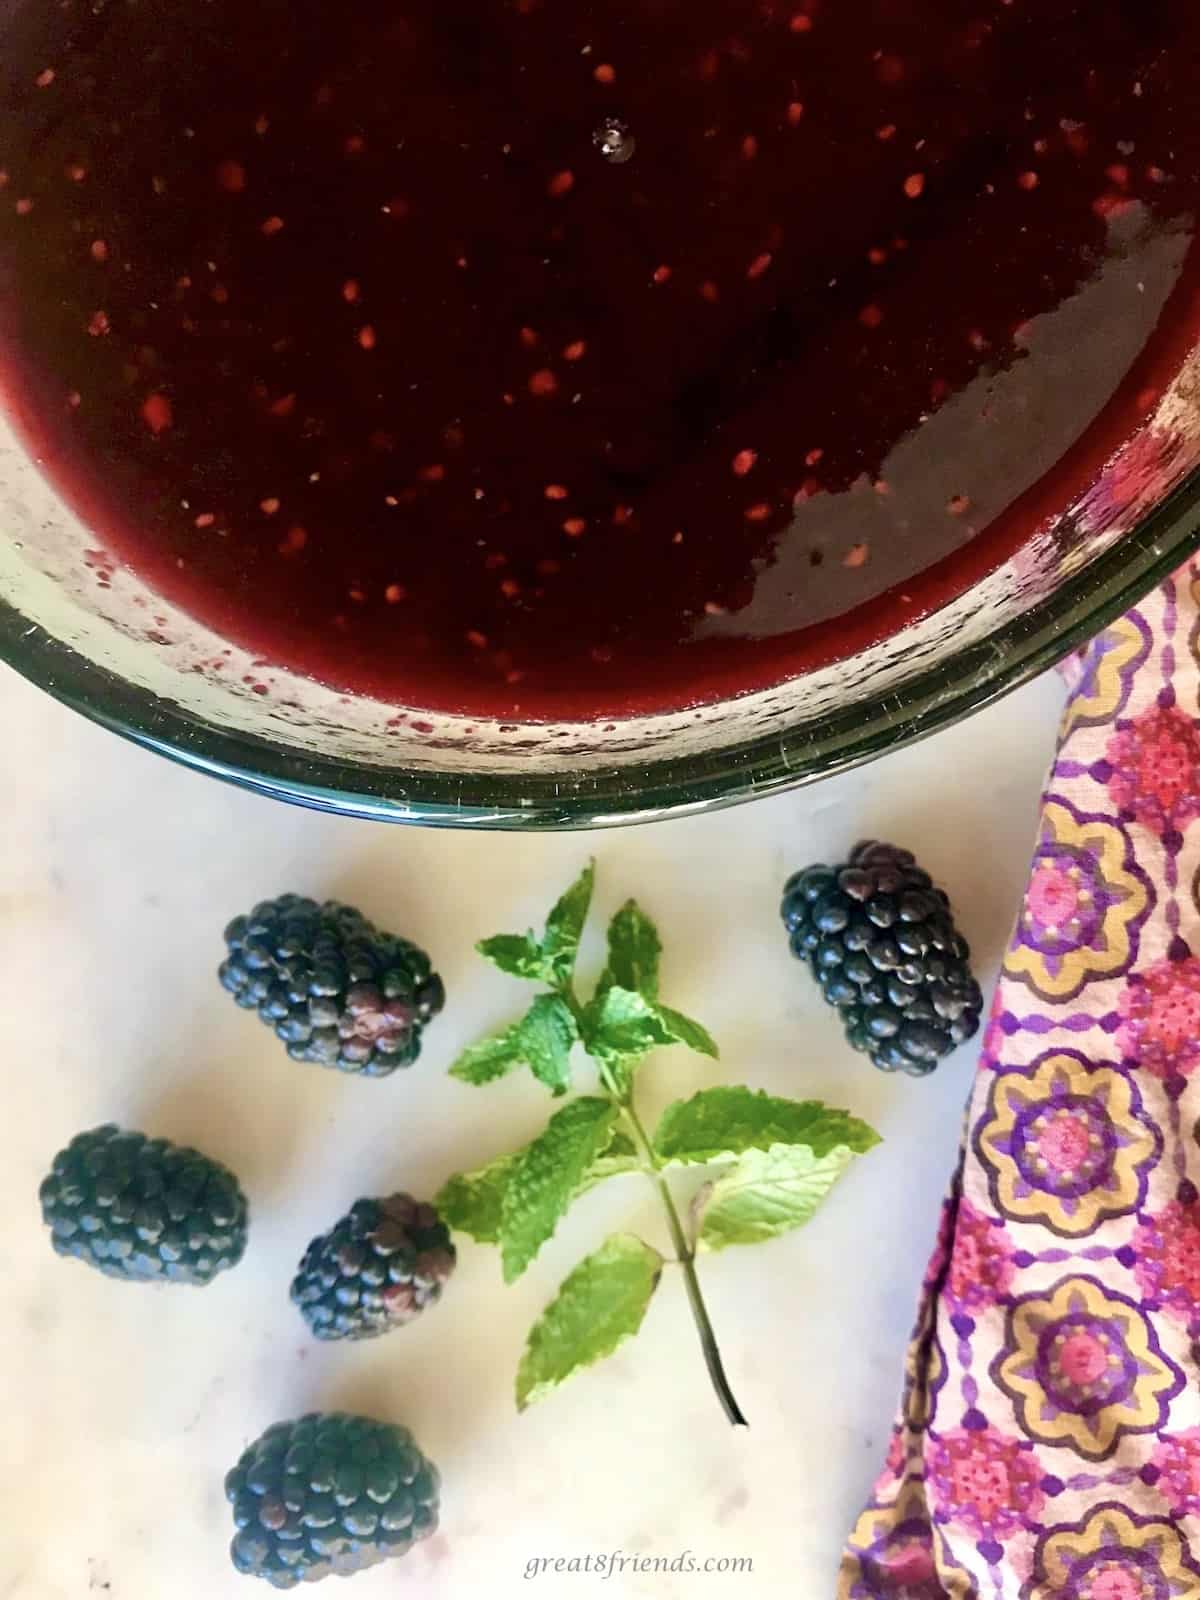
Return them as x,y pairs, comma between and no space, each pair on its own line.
972,677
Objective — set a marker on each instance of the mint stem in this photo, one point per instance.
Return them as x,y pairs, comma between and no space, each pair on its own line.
684,1252
687,1260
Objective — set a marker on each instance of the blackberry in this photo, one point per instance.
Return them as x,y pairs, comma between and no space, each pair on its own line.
335,989
143,1209
376,1269
881,942
328,1495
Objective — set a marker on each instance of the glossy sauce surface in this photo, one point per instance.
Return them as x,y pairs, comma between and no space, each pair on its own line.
541,359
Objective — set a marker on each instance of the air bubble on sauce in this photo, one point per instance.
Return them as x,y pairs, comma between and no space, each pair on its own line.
614,141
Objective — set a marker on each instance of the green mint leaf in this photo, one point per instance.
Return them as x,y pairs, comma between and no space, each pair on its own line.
686,1030
768,1192
621,1022
547,1177
564,927
518,954
491,1057
550,959
599,1305
470,1201
716,1124
547,1032
620,1026
633,951
618,1156
541,1040
624,1023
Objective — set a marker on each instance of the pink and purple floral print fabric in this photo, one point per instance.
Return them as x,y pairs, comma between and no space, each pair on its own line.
1048,1446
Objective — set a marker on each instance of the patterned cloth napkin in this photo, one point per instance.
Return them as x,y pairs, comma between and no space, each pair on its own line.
1048,1446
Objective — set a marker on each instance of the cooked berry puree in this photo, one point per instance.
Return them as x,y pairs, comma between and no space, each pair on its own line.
552,358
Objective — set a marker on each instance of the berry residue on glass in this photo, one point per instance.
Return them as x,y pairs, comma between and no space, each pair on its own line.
568,359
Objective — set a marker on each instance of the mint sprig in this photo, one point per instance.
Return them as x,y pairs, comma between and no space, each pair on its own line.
780,1157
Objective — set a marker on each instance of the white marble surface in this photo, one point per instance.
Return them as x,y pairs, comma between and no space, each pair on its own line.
123,1406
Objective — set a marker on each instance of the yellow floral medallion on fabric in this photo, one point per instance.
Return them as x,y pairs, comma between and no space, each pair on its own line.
1112,1555
1084,907
1068,1144
1083,1367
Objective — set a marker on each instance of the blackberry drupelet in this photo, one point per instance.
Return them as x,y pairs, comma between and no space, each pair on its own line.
144,1209
881,942
335,989
376,1269
328,1495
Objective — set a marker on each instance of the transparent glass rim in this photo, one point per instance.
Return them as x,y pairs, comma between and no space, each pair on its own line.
972,677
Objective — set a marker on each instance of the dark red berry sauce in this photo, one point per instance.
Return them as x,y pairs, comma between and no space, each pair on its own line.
553,357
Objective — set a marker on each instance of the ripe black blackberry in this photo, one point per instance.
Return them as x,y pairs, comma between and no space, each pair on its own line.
329,1494
376,1269
143,1209
335,989
881,942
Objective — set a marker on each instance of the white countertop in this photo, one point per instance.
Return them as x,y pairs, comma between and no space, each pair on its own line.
124,1405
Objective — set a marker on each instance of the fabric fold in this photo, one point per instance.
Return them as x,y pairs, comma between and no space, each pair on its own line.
1048,1444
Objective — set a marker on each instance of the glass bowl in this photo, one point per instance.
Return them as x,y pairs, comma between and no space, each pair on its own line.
91,633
